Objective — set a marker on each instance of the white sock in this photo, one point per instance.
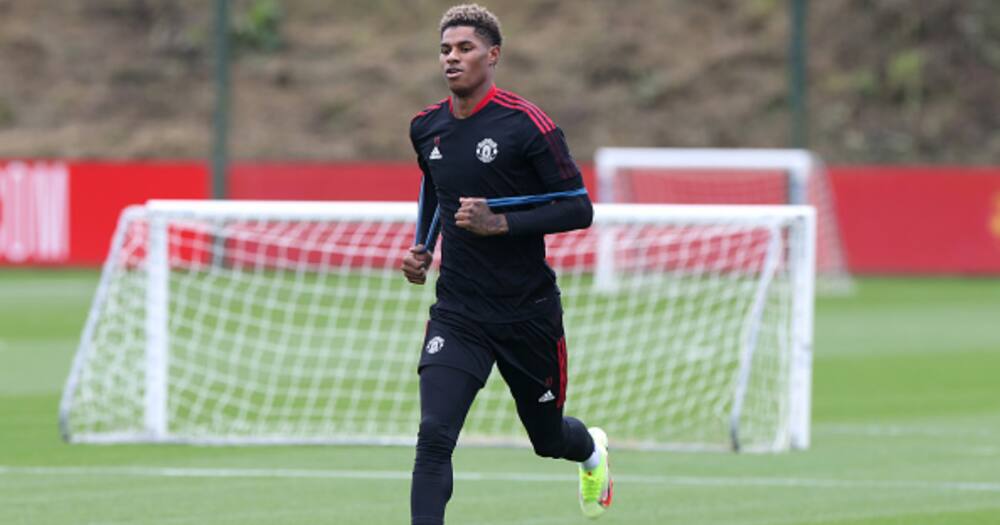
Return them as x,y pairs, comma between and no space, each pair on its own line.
593,461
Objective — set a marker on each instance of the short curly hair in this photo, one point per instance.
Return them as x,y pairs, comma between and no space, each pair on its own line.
485,23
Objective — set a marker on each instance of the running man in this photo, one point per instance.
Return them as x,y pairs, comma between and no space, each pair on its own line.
497,299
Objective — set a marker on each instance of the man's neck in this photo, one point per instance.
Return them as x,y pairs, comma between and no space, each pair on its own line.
463,107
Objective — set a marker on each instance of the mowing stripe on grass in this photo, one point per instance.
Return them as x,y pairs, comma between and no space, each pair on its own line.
707,481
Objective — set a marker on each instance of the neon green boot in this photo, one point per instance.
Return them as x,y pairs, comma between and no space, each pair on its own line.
596,486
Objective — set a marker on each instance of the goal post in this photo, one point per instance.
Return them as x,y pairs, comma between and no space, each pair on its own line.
243,322
729,176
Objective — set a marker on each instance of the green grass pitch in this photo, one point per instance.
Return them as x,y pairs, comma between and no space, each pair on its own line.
906,430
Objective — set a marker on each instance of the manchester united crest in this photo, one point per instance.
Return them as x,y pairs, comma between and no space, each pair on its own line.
486,150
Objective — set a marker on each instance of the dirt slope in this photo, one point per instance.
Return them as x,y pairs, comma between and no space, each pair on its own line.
891,80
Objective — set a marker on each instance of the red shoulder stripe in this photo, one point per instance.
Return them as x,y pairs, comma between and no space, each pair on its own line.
556,146
543,123
522,109
517,99
530,104
540,123
430,108
528,107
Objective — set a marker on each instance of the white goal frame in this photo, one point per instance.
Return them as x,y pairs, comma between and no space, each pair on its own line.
797,222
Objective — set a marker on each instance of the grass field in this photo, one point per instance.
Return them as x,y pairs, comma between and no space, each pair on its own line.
906,418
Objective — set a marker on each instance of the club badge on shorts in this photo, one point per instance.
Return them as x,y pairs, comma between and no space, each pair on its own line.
486,150
434,345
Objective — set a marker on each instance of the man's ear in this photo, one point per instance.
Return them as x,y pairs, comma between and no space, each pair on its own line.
494,55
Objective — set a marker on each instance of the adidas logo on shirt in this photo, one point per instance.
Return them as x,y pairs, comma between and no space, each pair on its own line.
546,397
435,154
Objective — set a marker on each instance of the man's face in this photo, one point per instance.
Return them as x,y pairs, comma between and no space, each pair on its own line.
466,59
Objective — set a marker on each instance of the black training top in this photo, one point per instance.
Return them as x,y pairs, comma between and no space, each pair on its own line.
507,147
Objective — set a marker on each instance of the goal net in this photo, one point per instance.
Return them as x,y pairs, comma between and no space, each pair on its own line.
290,322
729,176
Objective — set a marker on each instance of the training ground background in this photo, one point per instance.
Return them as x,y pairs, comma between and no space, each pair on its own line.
906,417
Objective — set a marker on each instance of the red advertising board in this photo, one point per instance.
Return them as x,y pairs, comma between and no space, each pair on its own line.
921,220
352,181
58,213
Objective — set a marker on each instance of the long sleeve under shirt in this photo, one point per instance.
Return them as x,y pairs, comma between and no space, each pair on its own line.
507,147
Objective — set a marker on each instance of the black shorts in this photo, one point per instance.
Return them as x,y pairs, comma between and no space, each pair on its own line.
531,354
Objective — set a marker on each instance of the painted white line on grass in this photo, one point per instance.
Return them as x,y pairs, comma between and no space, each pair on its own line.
899,431
687,481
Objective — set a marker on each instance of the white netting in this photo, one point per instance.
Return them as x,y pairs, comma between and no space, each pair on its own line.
304,330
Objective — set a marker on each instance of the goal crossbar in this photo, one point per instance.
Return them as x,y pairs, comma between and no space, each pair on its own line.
390,211
798,163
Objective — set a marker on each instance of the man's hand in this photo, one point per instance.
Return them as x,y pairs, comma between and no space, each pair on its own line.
415,264
475,216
